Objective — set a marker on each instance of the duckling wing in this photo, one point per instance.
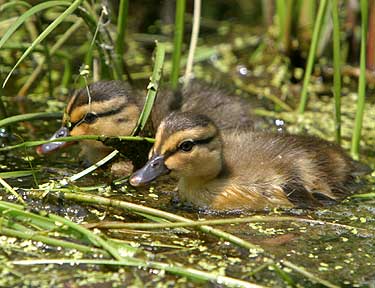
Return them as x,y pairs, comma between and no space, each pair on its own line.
237,196
226,110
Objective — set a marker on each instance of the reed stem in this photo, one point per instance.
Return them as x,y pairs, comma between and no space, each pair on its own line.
193,41
336,69
362,83
312,52
177,46
121,29
3,111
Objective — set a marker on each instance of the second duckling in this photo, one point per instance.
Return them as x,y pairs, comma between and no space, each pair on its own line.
247,170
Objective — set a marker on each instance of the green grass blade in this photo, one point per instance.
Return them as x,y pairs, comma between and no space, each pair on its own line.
15,174
152,87
362,83
14,3
178,37
94,238
281,12
11,190
39,68
30,116
106,140
311,57
45,33
27,15
121,29
3,110
336,69
47,240
177,269
193,41
17,212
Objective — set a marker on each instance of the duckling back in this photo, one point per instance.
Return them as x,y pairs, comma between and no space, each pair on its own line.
227,110
310,171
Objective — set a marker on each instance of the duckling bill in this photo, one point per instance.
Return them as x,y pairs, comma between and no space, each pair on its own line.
224,170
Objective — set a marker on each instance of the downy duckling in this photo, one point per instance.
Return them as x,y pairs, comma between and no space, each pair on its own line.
106,108
247,170
113,109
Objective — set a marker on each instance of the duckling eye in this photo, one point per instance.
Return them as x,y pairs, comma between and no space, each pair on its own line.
90,117
186,145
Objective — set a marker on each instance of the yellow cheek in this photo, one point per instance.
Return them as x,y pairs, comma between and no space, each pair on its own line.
178,161
82,129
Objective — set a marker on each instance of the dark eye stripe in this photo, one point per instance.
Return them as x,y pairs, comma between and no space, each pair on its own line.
102,114
204,141
169,153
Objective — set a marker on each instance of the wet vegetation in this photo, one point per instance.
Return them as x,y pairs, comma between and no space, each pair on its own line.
309,64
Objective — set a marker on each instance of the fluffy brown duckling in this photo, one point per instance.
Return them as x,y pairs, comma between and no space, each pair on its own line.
247,170
113,109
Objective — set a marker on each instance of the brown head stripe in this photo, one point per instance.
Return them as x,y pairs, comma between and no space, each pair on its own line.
180,121
174,127
100,91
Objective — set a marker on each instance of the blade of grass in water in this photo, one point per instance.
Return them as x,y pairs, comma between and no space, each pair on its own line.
56,223
135,262
362,83
101,138
177,46
30,116
15,174
311,57
73,6
11,190
93,167
48,240
89,198
146,226
336,69
152,88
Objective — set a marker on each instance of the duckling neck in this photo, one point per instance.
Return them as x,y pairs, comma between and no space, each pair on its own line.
194,188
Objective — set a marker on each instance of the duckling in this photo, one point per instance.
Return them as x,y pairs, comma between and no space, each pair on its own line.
112,108
107,108
229,170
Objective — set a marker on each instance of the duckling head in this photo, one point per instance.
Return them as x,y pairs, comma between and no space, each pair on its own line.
106,108
186,144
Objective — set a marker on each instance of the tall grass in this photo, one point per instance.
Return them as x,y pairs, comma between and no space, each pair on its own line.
362,83
311,57
121,28
177,46
72,7
336,69
193,41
